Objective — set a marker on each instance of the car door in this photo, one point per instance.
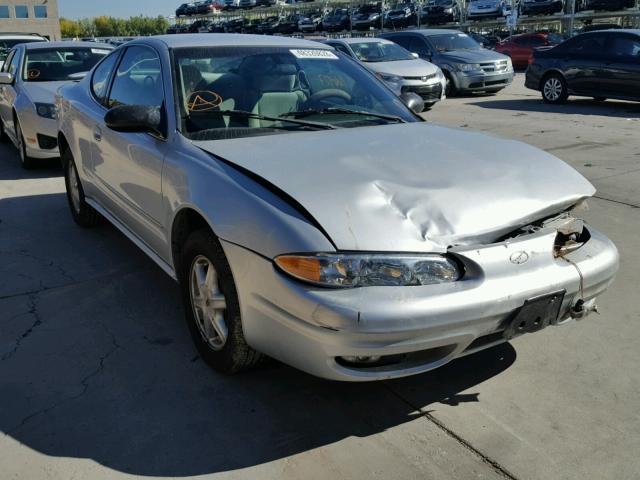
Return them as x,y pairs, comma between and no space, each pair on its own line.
128,166
582,58
8,93
622,65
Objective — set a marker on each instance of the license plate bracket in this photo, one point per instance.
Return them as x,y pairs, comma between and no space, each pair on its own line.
536,313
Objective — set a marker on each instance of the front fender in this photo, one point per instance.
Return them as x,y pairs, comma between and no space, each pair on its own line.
238,209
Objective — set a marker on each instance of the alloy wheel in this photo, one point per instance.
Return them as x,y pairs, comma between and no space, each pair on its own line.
552,89
208,302
74,187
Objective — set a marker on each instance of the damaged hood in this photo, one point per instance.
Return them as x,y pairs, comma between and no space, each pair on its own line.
409,187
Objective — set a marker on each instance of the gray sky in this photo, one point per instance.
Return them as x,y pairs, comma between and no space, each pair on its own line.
116,8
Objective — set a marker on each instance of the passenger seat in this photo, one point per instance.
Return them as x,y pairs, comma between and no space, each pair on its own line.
279,93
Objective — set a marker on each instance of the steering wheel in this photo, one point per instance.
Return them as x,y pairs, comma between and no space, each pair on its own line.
327,93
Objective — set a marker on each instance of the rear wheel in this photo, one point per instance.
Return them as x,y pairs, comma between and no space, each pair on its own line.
26,161
211,305
554,89
83,213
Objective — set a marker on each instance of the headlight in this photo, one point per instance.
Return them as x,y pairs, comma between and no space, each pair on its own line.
354,270
467,67
448,10
509,64
387,77
439,74
46,110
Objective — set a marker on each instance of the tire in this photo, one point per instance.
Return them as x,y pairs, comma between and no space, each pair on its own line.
428,106
450,90
599,99
212,309
83,213
26,161
554,89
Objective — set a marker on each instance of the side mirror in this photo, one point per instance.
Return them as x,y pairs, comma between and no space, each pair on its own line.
415,55
134,119
413,101
6,78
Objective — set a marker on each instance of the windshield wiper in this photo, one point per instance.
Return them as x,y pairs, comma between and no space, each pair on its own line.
257,116
339,110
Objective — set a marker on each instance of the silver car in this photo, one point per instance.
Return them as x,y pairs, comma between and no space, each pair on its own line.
308,215
29,80
397,67
477,9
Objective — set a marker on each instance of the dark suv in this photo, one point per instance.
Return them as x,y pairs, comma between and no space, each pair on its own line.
601,64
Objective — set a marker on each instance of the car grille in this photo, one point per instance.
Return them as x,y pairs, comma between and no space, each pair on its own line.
428,93
493,67
422,78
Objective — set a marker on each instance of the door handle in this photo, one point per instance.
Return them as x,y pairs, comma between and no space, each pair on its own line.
97,134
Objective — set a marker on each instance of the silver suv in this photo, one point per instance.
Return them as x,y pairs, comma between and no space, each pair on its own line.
466,65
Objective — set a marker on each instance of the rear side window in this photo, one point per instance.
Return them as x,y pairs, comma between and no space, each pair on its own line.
15,64
585,44
100,79
624,46
138,80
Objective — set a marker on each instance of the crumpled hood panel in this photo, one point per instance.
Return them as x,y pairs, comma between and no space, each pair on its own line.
410,187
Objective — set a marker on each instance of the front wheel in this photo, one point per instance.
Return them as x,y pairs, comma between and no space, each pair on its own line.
211,305
83,213
450,88
26,161
554,89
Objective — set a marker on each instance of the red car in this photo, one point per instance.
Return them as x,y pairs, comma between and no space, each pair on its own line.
520,47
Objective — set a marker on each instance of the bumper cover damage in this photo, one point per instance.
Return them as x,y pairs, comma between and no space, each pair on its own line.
416,328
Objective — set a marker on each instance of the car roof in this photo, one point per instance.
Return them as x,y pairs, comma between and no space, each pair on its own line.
62,44
228,40
633,31
22,36
360,40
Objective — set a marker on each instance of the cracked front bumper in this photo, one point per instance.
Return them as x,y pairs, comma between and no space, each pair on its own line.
312,328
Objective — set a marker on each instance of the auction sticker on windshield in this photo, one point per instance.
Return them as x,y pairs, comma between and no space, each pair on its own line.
100,51
313,53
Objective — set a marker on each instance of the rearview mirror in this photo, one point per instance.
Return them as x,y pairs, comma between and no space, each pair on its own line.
134,119
6,78
413,101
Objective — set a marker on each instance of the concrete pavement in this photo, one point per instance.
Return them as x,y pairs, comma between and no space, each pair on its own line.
99,379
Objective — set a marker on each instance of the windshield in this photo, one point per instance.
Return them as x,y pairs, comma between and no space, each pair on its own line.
368,9
453,41
6,45
439,2
380,52
232,92
58,64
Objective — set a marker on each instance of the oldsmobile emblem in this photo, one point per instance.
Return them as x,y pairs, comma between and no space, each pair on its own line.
519,257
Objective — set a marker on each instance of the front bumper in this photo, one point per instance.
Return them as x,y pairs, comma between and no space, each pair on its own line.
479,81
429,92
312,328
476,14
40,135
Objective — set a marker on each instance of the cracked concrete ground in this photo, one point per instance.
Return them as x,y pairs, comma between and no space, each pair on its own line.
99,379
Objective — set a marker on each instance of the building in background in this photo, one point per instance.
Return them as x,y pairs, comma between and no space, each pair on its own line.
30,16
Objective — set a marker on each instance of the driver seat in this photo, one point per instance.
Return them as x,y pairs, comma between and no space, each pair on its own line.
279,93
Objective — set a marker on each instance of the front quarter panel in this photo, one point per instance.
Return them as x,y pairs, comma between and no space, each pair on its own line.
238,209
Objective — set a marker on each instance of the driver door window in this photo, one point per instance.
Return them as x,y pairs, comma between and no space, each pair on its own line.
138,80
